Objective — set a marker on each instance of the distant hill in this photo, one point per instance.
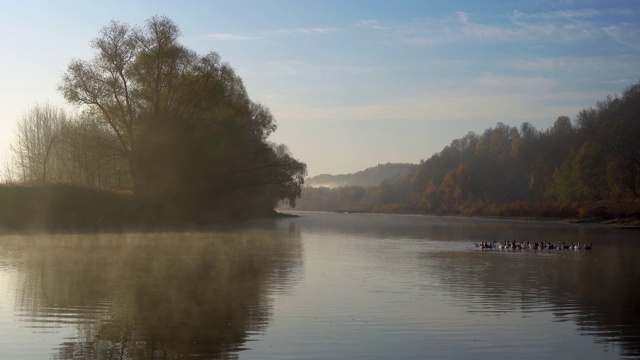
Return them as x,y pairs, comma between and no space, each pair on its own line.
370,177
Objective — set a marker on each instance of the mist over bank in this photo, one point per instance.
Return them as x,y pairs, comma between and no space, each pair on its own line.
587,168
72,208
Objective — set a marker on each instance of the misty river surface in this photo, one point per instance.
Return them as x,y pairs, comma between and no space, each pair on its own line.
323,286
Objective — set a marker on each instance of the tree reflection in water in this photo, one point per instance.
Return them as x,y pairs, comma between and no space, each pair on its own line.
597,289
154,295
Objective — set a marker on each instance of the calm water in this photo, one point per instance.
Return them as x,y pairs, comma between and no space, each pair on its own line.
323,286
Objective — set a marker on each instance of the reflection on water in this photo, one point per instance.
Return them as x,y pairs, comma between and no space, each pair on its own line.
596,291
150,296
323,286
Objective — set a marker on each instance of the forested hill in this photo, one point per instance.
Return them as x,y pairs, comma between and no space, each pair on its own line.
588,167
369,177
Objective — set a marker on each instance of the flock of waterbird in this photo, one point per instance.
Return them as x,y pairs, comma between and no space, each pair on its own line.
527,245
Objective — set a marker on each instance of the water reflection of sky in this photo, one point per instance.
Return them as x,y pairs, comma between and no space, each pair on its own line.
321,286
533,304
417,293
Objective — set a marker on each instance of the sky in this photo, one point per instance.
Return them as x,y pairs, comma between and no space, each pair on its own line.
355,83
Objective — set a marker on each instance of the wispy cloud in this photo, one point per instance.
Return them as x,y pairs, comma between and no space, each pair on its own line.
541,64
558,14
620,64
308,31
565,25
231,37
370,23
452,29
510,108
460,27
265,34
530,84
626,34
455,28
624,12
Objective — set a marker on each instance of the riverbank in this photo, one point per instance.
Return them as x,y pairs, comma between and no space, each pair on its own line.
72,208
619,214
622,214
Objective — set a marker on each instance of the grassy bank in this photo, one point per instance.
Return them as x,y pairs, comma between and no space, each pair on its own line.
59,207
622,213
72,208
613,213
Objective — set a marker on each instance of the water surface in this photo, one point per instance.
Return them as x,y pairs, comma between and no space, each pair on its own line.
323,286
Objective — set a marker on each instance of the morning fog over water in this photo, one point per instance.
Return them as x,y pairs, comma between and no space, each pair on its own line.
323,286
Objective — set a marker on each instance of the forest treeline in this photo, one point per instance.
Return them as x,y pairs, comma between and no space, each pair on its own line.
174,128
563,171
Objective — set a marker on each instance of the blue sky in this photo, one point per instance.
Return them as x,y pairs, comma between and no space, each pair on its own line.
355,83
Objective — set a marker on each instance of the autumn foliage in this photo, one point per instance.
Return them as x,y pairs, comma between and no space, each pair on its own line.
580,168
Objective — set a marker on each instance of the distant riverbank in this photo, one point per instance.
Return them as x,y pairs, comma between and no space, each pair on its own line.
623,214
610,213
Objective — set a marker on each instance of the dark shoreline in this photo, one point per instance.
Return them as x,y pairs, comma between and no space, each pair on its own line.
615,214
64,208
216,225
618,221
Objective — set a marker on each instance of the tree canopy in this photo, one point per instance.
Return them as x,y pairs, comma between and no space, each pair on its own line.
515,171
183,122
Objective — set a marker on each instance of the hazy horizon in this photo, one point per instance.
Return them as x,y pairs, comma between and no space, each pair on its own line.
359,83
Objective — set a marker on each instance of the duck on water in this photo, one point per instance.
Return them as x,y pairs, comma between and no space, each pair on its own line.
526,245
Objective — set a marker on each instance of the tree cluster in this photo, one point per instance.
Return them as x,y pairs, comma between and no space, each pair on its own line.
595,157
175,127
53,146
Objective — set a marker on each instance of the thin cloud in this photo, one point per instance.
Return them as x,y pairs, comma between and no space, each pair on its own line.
370,23
495,107
624,12
559,14
296,31
231,37
578,64
456,28
460,27
625,34
452,29
463,17
307,31
530,84
567,25
541,64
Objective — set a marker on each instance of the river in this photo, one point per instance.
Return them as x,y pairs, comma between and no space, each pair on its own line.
323,286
